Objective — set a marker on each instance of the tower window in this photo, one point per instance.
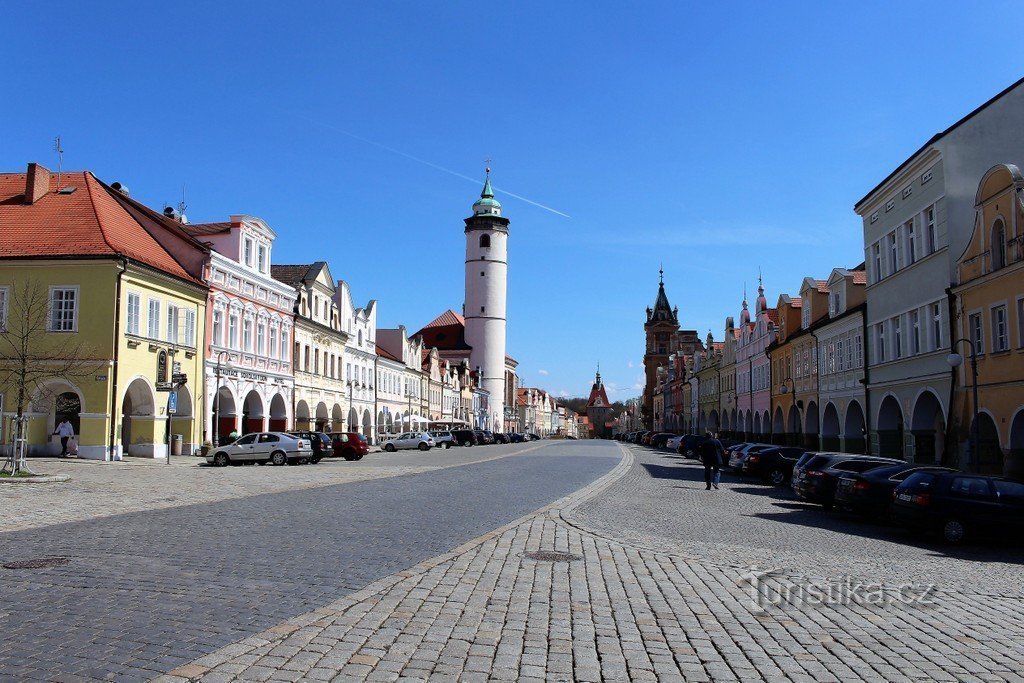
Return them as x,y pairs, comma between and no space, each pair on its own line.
485,241
481,273
481,309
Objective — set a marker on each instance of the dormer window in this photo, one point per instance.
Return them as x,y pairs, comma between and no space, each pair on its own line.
261,259
835,304
247,252
805,320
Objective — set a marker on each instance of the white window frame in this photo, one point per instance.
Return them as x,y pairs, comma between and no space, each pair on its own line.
915,332
909,238
261,258
261,338
133,323
894,257
859,340
247,251
218,327
173,329
976,324
273,341
930,234
153,308
880,342
876,257
1000,341
936,326
232,331
247,335
897,337
190,328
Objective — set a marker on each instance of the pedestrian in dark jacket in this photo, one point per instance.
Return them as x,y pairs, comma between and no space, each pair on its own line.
711,453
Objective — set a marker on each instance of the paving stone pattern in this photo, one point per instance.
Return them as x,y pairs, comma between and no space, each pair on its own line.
485,612
109,488
149,591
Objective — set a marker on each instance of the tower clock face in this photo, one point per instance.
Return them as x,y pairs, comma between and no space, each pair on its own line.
598,402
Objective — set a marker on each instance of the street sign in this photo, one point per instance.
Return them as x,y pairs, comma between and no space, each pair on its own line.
164,386
161,366
179,378
176,367
172,403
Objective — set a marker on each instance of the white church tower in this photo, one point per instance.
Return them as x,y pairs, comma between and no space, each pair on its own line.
484,310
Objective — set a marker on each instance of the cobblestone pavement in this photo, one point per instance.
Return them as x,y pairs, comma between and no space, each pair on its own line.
662,505
617,611
145,592
110,488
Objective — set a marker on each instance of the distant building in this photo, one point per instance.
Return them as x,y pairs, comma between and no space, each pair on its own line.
599,409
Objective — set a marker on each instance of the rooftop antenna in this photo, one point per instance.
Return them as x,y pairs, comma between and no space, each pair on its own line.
182,205
60,158
661,273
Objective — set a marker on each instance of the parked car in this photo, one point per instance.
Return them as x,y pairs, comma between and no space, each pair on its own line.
409,440
516,437
502,437
774,465
318,441
278,448
869,493
464,437
690,445
960,506
349,445
815,481
443,439
533,437
738,456
483,438
673,443
660,439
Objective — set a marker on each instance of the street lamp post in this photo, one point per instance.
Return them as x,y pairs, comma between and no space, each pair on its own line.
216,402
955,360
782,390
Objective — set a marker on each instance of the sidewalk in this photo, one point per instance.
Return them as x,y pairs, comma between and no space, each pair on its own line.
612,612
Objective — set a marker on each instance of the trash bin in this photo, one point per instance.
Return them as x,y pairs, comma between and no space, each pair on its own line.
175,444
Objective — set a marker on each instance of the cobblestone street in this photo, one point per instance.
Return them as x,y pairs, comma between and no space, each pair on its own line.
655,585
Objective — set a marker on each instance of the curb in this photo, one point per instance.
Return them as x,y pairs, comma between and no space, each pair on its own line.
38,479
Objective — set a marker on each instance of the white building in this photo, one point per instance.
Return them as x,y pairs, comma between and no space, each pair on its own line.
360,361
320,391
840,341
917,222
249,381
401,395
486,292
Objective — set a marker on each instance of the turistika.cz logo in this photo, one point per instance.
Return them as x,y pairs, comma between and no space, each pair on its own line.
770,588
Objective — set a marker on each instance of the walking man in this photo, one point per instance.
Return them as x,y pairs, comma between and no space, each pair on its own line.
711,452
65,431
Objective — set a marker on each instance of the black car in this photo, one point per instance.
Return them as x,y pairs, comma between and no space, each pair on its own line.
774,465
501,437
960,506
533,437
661,438
690,445
464,437
516,437
815,481
318,441
870,493
483,438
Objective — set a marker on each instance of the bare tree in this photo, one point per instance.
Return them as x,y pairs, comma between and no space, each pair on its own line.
31,357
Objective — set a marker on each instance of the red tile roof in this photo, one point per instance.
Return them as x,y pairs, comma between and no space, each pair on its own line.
200,229
796,302
822,286
447,318
86,222
773,314
384,353
860,277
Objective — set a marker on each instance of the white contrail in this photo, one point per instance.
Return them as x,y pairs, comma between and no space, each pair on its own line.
433,165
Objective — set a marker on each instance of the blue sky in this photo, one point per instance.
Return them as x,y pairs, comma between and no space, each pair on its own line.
716,139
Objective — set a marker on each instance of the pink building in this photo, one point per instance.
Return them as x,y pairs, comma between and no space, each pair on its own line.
753,368
249,331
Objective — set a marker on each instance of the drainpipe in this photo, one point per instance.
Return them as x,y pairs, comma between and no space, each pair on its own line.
952,443
867,376
113,370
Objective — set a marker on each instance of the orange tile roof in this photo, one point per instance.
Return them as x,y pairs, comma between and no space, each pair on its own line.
822,286
860,277
86,222
381,351
773,314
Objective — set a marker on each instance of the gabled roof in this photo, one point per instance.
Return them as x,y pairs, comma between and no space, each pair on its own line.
295,274
88,222
202,229
447,332
447,318
384,353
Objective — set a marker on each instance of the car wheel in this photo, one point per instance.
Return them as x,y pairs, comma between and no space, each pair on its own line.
279,458
315,459
424,447
221,460
303,461
777,477
390,448
953,531
468,444
350,456
446,445
359,457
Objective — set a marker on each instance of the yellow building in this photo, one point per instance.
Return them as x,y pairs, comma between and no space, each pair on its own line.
989,314
120,284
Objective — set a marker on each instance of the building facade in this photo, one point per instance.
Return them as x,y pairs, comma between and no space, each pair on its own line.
360,324
989,314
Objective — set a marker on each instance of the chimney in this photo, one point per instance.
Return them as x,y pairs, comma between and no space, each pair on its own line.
37,183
